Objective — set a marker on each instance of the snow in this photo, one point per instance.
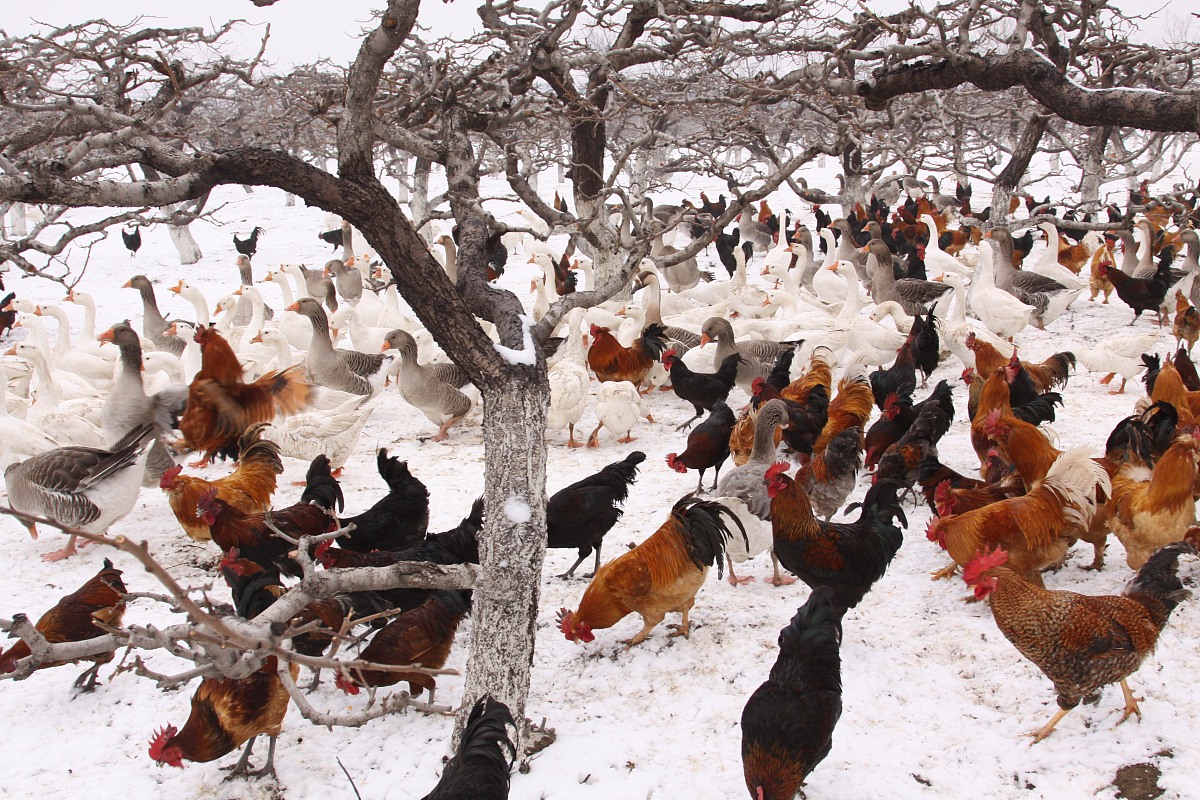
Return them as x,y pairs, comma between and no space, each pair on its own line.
517,510
526,356
936,699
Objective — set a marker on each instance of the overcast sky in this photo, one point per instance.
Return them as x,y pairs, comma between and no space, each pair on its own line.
305,30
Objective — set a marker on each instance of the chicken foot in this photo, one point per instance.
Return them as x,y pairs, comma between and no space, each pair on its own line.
946,572
684,628
1048,728
1131,703
86,682
242,767
779,579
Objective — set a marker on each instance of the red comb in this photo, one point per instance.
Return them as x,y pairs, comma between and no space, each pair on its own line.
981,563
776,469
158,744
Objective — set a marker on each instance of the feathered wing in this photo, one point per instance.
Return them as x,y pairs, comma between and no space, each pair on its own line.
480,769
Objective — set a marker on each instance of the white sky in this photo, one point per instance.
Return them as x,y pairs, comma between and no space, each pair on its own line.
304,30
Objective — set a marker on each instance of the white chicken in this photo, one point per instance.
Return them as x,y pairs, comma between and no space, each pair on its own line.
618,408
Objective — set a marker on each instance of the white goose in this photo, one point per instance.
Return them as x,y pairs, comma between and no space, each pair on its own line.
51,412
20,439
936,257
293,326
569,380
95,369
1003,314
196,297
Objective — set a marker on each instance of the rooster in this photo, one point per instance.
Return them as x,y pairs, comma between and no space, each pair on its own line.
1147,514
787,724
220,407
398,520
226,713
480,769
847,557
1141,294
613,362
659,576
1031,527
76,618
579,515
248,246
1082,643
248,488
702,389
1047,375
829,475
1186,327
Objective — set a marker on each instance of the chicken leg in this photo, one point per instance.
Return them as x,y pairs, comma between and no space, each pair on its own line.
1048,728
1131,703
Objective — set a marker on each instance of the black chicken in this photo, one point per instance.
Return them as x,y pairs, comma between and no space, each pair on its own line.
726,242
397,521
248,246
579,515
900,462
332,238
926,348
480,768
787,724
707,445
133,241
8,314
702,389
900,378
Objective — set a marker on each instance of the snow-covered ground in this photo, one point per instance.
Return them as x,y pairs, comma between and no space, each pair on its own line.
936,700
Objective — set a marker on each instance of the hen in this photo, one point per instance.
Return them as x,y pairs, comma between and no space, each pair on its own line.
579,515
226,713
702,389
480,769
659,576
1082,643
76,618
1141,294
1147,514
613,362
248,488
788,722
707,445
846,557
220,407
421,637
829,476
398,520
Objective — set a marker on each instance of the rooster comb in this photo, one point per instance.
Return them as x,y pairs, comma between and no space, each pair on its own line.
982,562
159,741
779,468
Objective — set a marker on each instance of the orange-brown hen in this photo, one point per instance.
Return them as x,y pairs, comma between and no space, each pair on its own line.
612,361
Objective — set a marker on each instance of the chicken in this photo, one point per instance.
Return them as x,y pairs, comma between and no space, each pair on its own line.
397,521
948,492
1147,514
613,362
226,713
702,389
421,637
618,407
707,445
248,488
659,576
1082,643
1141,294
480,769
847,557
1186,327
806,420
829,476
76,618
1187,370
788,722
1047,375
926,346
220,407
1097,281
899,379
900,462
1031,527
899,414
579,515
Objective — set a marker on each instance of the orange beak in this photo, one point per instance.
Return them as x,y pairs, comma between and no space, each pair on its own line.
833,267
177,288
37,311
70,298
383,348
127,285
531,260
987,235
704,339
12,351
293,307
257,338
239,292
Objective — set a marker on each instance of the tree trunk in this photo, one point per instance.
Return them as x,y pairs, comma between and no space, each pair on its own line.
854,187
19,226
419,202
289,200
512,546
1093,168
181,237
1010,177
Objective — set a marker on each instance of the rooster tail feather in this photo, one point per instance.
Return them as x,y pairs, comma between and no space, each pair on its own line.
1074,478
1158,579
706,531
289,392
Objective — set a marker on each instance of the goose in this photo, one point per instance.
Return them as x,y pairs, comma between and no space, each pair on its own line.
450,261
806,259
80,487
679,277
128,406
753,231
652,303
430,389
332,432
1129,250
69,421
955,328
746,300
95,369
781,253
67,385
86,342
19,438
1007,277
191,358
364,338
848,251
1118,355
347,280
890,308
154,325
913,295
1002,313
744,493
618,407
935,256
569,380
828,285
193,295
1047,264
345,370
297,329
246,278
758,357
1145,264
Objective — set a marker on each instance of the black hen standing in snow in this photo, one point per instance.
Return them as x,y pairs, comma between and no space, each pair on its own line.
926,348
702,389
707,445
480,768
579,515
397,521
787,724
900,378
248,246
133,241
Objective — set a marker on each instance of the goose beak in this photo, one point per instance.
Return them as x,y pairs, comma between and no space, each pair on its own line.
177,288
127,285
293,307
107,336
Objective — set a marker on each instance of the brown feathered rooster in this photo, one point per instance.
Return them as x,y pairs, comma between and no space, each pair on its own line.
611,361
1082,643
220,407
659,576
248,488
1147,514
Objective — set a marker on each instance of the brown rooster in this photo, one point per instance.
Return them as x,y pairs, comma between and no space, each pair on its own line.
1031,527
220,407
1052,372
613,362
1097,280
1186,327
421,637
1082,643
226,713
76,618
829,475
660,575
248,488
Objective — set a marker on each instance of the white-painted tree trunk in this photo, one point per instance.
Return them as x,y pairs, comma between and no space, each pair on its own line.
289,200
20,225
419,202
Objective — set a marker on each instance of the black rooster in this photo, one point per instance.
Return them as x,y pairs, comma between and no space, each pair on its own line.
7,315
579,515
480,768
787,724
133,241
702,389
333,238
248,246
397,521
